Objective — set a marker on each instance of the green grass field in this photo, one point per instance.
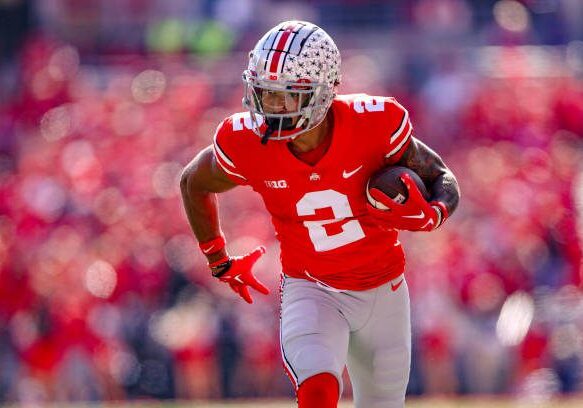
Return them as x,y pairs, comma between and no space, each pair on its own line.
477,402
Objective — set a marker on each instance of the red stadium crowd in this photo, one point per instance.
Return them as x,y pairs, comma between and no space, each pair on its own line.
103,294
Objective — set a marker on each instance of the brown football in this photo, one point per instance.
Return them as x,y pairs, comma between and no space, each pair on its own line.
388,180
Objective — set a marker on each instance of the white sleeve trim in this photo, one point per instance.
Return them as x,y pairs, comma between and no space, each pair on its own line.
220,152
223,158
400,145
403,124
229,171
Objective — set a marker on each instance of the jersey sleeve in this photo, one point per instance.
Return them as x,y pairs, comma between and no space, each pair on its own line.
399,130
225,153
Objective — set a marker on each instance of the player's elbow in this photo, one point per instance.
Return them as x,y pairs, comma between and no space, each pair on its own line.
186,180
201,176
192,181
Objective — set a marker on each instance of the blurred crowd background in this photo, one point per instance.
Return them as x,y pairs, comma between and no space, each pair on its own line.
103,292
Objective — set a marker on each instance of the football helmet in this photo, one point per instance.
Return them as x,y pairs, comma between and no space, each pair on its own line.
298,63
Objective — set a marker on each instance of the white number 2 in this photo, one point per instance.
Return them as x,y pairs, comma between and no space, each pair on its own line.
369,104
338,202
243,121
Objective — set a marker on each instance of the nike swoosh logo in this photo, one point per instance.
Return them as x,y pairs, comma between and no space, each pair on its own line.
207,250
348,174
394,286
238,278
420,215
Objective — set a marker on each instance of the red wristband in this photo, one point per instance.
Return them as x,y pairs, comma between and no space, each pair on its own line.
213,246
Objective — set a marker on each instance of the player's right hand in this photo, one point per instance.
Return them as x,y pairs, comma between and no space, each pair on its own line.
237,273
416,214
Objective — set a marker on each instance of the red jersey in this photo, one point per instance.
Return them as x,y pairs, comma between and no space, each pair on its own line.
319,211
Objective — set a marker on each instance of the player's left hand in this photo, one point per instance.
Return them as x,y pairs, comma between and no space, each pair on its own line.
416,214
239,276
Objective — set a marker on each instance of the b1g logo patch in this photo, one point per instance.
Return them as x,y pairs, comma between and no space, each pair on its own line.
276,183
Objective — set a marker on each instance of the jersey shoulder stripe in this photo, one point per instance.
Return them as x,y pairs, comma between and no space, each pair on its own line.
402,130
225,163
221,153
399,131
399,147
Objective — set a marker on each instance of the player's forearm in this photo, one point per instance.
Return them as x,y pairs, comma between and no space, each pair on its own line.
200,180
442,184
203,214
445,189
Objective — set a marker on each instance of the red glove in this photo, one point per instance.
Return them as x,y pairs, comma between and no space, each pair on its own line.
236,271
416,214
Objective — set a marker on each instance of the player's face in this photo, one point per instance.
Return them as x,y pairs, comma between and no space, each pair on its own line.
279,101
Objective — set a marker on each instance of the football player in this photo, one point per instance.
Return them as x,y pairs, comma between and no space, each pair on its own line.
309,153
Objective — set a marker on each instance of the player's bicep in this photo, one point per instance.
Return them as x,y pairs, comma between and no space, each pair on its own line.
435,174
204,174
423,160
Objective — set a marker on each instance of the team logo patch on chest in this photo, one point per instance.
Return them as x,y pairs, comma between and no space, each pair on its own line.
276,183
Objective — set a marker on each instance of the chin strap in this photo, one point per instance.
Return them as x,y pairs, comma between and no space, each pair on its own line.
267,134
